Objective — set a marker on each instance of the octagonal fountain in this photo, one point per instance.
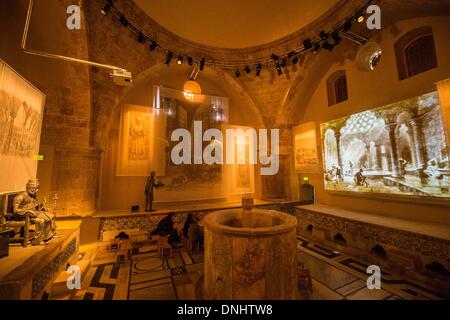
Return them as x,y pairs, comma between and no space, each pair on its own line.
250,254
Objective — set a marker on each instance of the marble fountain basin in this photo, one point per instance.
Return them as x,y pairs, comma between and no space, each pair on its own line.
250,255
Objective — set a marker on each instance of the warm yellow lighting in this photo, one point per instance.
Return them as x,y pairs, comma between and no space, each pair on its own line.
190,89
361,19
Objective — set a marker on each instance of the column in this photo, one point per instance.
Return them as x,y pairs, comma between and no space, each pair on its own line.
337,135
418,144
394,156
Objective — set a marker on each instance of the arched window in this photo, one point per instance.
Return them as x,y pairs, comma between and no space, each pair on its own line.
337,87
415,52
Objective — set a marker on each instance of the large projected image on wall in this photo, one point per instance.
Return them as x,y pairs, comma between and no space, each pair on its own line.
21,110
397,149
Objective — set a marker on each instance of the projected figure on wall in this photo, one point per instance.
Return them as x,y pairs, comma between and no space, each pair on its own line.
151,183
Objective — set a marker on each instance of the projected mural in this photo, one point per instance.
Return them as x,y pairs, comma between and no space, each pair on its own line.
397,149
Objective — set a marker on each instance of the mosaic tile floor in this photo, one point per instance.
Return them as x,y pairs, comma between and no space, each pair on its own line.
335,276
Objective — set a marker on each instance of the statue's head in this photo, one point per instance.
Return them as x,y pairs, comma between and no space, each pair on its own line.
33,186
153,173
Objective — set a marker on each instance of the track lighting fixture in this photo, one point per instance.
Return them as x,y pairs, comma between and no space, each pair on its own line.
323,35
347,25
153,46
337,39
307,44
169,58
107,7
316,48
238,73
190,61
258,69
141,38
180,60
283,62
295,60
328,46
360,16
247,69
202,64
274,57
124,21
278,67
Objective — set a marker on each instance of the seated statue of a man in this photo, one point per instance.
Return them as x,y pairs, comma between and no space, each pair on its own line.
26,203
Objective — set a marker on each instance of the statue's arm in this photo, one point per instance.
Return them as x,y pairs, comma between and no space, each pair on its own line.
20,209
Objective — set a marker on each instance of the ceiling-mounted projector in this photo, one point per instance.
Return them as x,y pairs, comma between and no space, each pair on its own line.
122,78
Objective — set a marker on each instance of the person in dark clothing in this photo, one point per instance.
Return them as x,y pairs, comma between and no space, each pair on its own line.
165,227
187,223
196,235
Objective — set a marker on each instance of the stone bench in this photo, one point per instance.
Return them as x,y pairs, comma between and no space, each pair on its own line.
397,244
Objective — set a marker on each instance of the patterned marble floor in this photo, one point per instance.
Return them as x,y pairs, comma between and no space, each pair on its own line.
335,276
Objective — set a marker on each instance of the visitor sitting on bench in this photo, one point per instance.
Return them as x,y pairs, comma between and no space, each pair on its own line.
165,227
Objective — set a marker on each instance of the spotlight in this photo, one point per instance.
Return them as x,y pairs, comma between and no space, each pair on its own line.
295,60
180,60
278,67
190,61
238,73
202,64
153,46
141,38
328,46
258,69
323,35
168,58
360,17
107,7
274,57
124,21
337,39
283,62
347,25
307,44
316,48
247,69
291,54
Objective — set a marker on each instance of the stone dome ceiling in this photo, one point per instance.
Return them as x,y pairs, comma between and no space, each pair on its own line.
235,24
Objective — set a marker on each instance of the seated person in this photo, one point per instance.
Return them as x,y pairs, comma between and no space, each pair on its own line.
359,179
165,227
26,203
187,223
196,233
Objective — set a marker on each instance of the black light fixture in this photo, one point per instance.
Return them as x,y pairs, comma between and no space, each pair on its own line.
190,61
107,7
168,58
323,35
283,62
238,73
247,69
293,56
347,25
141,38
124,21
153,45
274,57
258,69
278,67
337,39
307,44
180,60
328,46
316,48
202,64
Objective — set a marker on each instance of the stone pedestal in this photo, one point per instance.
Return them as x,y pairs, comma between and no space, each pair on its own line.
256,262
